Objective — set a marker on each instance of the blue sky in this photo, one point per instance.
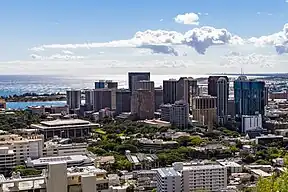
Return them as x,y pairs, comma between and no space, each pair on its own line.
66,21
30,23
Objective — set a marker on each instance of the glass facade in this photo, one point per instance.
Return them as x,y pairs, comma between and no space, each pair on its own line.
249,97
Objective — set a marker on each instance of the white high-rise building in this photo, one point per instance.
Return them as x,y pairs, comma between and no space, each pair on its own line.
222,100
180,178
31,146
168,180
73,99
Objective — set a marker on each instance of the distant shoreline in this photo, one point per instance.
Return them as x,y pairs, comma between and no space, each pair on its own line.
33,97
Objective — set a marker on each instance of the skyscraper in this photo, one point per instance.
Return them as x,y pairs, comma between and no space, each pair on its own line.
169,91
249,97
88,99
100,84
158,97
212,84
102,98
142,104
73,99
134,77
123,101
204,110
222,100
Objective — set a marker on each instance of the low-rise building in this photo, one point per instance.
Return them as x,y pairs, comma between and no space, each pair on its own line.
69,128
232,167
71,161
156,144
142,161
268,139
58,149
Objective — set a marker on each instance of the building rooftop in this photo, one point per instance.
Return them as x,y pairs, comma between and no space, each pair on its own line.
59,122
201,167
229,164
13,138
168,172
46,160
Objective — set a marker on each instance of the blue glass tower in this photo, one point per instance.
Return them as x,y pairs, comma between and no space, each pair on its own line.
248,96
99,84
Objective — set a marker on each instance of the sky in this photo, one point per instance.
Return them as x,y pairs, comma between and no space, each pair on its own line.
89,37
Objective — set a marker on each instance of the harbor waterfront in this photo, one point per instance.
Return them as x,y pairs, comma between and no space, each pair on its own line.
24,105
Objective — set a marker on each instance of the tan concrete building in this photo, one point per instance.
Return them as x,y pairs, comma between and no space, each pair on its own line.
142,104
204,110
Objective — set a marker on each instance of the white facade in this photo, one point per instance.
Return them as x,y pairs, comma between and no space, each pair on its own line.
7,159
204,177
23,148
251,122
180,178
168,180
55,149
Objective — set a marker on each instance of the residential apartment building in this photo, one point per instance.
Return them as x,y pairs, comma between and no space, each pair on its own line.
168,180
73,99
7,160
23,147
180,178
59,178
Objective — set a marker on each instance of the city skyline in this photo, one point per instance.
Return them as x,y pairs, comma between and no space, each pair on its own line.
90,37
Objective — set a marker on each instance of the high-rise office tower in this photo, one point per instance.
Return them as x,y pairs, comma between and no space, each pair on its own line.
266,95
73,98
187,88
204,110
142,104
158,97
102,98
169,91
222,100
212,84
150,86
134,77
100,84
88,99
111,84
123,101
180,114
249,97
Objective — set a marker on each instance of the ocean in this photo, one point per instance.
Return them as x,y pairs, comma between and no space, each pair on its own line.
25,105
20,84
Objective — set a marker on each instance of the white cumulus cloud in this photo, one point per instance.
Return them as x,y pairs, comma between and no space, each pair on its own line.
279,40
198,38
187,19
